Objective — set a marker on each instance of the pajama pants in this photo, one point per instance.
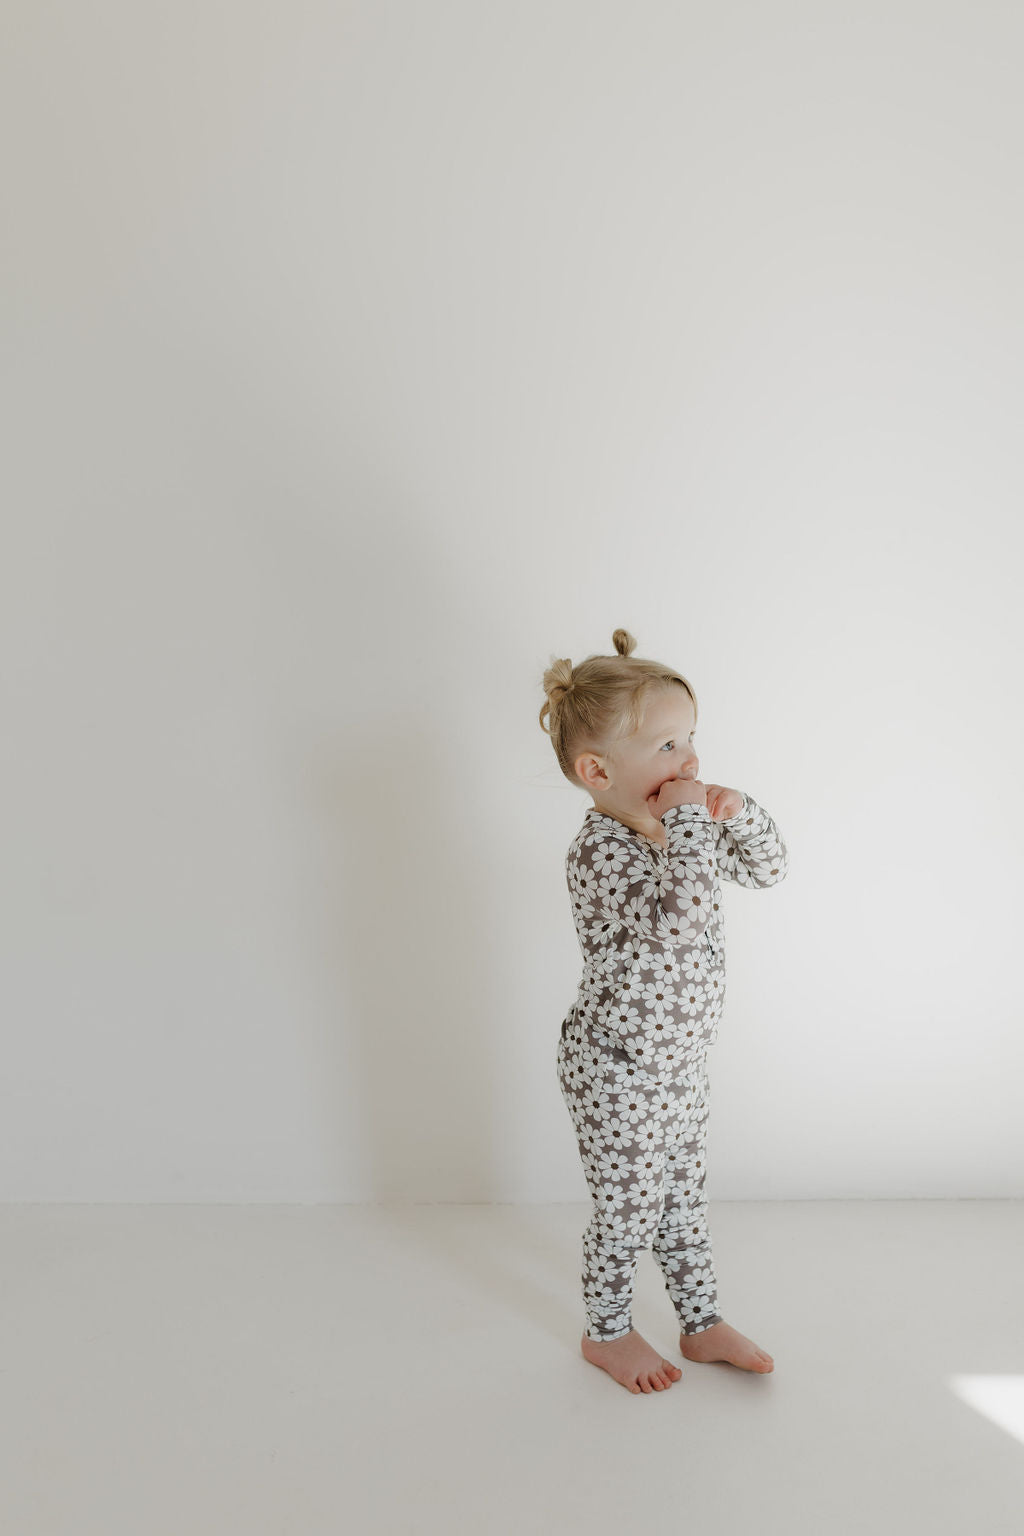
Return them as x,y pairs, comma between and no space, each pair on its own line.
642,1145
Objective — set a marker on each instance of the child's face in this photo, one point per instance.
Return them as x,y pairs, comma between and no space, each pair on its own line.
663,748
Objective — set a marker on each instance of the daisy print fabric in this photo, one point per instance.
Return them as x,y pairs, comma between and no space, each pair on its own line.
632,1048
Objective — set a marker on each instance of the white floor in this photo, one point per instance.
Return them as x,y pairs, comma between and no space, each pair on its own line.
270,1370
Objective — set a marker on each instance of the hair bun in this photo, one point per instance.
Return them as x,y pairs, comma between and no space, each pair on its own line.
623,642
558,678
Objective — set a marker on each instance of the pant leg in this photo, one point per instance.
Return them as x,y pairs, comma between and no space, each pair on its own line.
626,1189
622,1150
682,1242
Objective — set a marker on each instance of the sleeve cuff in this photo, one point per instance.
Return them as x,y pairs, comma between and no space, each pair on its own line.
700,812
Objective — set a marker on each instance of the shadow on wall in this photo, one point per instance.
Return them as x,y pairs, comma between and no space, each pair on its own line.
392,868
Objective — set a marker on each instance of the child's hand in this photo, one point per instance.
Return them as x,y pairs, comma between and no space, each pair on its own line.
722,802
676,792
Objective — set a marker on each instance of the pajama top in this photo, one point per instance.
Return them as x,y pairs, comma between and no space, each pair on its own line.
650,926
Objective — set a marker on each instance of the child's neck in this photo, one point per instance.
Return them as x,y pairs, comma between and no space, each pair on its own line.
650,827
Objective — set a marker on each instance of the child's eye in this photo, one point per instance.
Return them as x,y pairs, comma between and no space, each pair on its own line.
671,742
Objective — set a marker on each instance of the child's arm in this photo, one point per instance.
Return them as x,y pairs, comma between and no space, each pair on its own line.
615,887
750,847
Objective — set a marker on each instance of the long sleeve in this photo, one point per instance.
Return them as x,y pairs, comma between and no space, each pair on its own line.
750,847
614,886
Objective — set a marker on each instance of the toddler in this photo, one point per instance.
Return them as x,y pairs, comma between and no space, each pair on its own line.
643,875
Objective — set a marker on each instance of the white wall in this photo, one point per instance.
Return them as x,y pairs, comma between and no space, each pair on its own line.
358,359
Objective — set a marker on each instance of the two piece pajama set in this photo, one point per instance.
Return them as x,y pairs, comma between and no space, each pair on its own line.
632,1049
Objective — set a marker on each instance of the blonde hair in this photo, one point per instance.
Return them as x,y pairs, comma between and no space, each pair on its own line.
601,701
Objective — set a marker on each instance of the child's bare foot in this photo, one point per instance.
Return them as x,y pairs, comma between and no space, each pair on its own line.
722,1342
632,1361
